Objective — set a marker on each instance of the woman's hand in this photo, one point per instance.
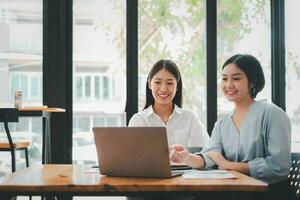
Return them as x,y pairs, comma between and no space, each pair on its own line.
219,159
180,154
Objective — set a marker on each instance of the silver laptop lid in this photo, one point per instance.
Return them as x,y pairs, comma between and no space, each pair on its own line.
133,151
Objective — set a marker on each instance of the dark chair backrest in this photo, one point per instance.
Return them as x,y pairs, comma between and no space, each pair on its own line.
294,176
194,149
9,115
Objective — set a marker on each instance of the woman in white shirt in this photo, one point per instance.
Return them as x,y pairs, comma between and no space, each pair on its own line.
163,107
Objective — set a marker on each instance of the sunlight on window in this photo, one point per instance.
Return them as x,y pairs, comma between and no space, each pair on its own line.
292,56
244,27
21,33
175,30
99,71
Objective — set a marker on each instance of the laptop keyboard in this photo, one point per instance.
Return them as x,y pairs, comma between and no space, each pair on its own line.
180,167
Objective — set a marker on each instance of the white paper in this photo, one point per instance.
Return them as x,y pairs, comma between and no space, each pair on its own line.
208,174
92,170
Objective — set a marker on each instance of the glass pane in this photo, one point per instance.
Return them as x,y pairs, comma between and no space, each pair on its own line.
24,86
244,27
97,87
14,84
99,121
84,124
21,58
99,29
174,30
106,88
35,87
112,121
78,87
87,87
23,124
292,56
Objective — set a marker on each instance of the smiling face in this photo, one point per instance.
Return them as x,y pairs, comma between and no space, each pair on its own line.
163,87
235,84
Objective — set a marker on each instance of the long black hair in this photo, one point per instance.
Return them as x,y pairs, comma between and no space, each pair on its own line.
171,67
253,70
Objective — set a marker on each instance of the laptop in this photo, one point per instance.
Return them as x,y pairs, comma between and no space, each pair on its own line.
133,152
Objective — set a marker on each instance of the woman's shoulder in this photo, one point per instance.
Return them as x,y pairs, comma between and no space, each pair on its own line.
224,119
186,113
270,111
138,119
142,114
267,107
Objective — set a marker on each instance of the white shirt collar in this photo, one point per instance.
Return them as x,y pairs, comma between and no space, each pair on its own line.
149,111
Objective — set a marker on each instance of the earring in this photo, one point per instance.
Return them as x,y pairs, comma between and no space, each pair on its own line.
253,90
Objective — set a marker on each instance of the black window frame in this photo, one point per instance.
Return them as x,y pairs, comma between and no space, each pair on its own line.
58,61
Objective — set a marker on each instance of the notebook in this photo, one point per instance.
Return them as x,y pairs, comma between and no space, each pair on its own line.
133,152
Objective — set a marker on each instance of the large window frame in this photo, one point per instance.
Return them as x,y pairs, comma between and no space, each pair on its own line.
57,64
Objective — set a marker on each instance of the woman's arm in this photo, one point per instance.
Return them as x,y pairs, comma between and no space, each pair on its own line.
274,166
214,144
180,154
219,159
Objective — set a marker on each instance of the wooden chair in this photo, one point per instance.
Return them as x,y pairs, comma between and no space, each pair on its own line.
294,176
12,115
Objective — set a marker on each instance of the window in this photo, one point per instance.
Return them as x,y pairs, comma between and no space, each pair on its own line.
31,38
99,62
21,68
86,123
30,83
78,88
174,30
87,87
83,139
99,121
244,27
293,69
93,87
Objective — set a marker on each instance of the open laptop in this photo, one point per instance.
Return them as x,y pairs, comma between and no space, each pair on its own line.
133,152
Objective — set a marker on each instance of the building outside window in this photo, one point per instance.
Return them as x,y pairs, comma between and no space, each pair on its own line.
93,87
174,30
292,57
99,66
30,83
244,28
21,58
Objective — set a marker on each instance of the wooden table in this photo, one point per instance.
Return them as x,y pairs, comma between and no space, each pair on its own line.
46,113
73,180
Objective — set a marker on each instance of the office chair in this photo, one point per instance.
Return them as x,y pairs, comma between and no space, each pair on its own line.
294,176
12,115
194,149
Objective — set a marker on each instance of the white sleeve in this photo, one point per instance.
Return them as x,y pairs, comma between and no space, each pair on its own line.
198,135
136,121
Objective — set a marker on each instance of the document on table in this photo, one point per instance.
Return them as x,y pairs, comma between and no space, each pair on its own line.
208,174
92,170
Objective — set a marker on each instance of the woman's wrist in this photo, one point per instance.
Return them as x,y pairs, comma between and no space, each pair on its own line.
196,161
